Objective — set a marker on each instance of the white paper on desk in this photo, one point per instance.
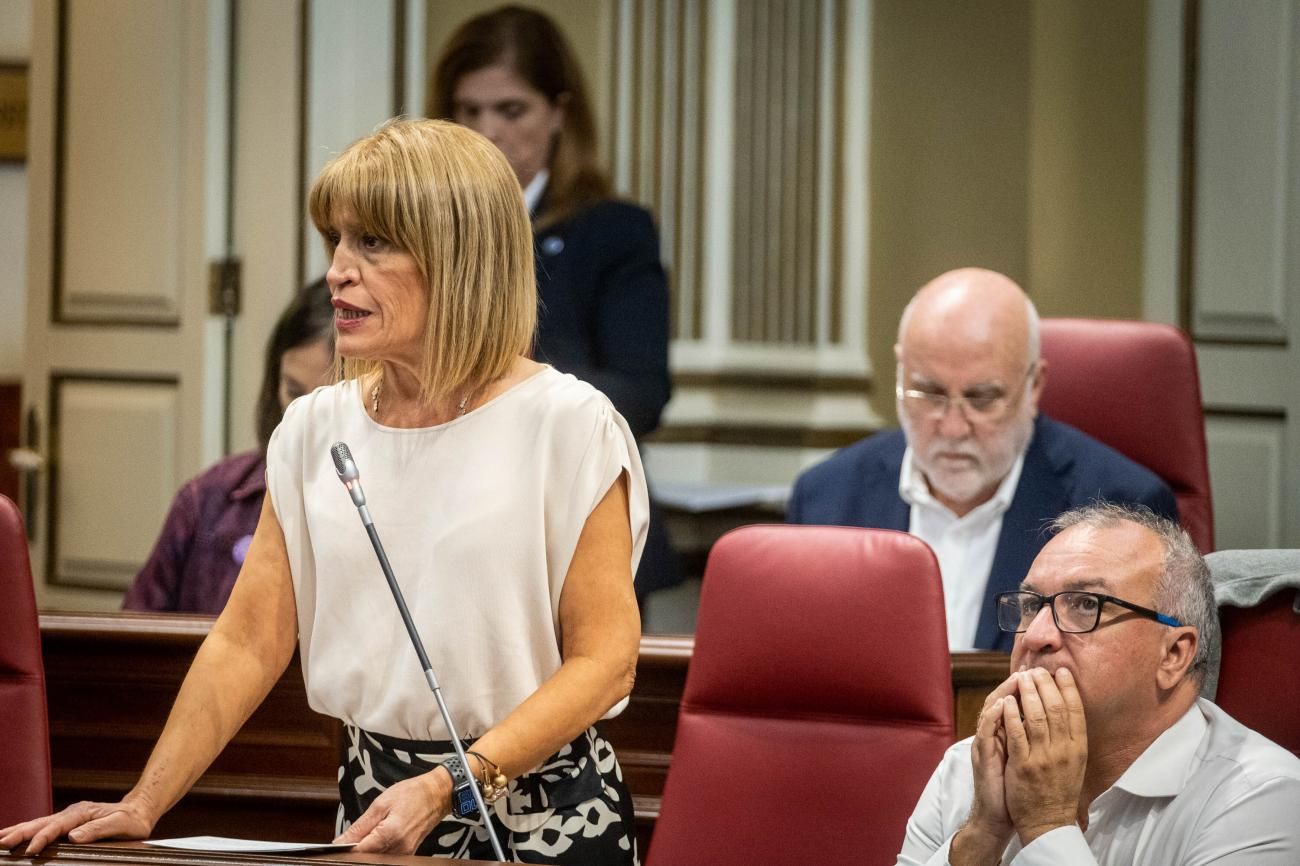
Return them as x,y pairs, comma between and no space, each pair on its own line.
698,498
246,846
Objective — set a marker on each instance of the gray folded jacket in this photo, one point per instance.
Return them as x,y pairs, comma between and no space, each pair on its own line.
1244,578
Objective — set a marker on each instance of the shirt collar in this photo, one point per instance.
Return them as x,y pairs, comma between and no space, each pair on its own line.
1162,770
533,192
914,490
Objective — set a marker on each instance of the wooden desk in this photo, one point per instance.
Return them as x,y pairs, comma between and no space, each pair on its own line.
112,678
139,854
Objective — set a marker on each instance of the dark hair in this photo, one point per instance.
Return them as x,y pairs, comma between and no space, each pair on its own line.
309,317
528,42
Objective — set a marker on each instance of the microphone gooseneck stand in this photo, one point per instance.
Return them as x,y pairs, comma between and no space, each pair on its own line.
351,478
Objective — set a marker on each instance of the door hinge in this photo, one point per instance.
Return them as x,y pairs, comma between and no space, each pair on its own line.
225,287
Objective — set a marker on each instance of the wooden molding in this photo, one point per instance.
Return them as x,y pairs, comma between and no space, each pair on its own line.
773,380
771,436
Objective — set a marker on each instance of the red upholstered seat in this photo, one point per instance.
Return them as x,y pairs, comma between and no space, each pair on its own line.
1134,386
1259,678
24,738
817,703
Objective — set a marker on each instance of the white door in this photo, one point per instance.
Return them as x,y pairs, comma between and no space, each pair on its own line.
1244,269
140,178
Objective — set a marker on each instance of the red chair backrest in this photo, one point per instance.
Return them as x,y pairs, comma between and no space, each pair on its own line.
24,736
817,703
1134,386
1259,678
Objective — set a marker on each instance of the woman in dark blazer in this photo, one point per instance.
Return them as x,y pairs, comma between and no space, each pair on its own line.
511,75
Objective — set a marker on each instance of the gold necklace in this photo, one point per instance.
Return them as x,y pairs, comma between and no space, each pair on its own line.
378,389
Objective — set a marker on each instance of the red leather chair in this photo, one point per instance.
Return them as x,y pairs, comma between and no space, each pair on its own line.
817,703
24,737
1259,680
1134,386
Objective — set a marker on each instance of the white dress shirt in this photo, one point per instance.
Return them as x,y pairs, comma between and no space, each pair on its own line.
964,546
1208,791
533,192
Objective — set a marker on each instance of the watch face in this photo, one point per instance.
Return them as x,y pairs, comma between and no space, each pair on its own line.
462,801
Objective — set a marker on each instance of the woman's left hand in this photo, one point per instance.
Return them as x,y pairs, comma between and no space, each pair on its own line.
399,819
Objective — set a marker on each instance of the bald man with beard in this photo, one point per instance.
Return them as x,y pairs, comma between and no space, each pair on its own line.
975,471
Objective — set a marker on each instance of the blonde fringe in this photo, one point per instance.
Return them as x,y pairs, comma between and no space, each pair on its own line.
448,197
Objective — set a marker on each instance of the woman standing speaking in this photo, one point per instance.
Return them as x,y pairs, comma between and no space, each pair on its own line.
512,503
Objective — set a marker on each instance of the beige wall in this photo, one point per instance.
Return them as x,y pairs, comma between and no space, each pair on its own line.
1007,135
949,152
1004,133
1086,157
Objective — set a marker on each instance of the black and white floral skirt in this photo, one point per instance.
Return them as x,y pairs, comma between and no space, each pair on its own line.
574,809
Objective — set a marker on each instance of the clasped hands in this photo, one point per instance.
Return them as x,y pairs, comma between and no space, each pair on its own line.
1029,757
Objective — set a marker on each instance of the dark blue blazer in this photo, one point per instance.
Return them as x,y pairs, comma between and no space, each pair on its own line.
604,307
1064,468
604,318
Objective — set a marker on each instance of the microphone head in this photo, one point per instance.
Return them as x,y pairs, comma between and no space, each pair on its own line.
343,463
347,470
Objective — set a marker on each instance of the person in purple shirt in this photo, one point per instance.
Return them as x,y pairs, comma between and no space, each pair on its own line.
210,525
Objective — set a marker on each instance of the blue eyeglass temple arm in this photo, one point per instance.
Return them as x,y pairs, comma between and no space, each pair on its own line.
1162,618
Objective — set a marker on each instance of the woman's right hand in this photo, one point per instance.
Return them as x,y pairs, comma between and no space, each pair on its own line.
81,822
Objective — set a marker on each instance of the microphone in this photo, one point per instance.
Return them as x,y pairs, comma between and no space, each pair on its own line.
348,473
351,478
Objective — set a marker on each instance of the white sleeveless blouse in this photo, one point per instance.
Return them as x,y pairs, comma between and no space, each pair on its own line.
480,518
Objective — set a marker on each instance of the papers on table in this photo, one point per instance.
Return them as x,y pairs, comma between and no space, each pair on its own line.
227,845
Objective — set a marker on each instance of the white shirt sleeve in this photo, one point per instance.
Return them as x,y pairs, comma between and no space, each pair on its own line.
1064,846
940,812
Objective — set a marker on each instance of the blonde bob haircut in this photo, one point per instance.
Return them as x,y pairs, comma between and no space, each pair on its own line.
445,195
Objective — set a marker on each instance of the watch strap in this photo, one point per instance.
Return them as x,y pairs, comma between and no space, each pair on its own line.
462,793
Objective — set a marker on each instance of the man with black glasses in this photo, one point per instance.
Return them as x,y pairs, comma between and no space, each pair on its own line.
975,472
1097,749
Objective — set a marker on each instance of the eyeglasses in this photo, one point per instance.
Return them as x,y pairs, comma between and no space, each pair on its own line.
1074,612
983,403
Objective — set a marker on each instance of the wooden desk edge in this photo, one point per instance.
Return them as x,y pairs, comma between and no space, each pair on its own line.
140,854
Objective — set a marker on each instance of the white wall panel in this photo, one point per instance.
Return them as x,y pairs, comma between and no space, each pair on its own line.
1247,456
118,470
123,160
1246,115
1245,267
350,89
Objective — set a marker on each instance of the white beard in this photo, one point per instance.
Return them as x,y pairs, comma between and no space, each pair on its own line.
962,471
